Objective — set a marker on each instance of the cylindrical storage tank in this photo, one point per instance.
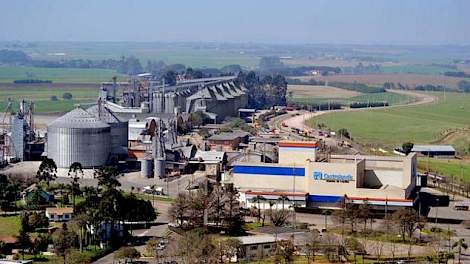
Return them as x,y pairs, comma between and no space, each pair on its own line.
159,170
119,129
146,167
78,137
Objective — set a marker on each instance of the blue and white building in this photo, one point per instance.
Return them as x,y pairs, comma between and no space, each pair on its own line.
310,179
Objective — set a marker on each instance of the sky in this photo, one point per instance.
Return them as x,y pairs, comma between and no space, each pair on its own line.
414,22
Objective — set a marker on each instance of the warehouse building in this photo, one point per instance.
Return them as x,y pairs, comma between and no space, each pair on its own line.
438,151
310,178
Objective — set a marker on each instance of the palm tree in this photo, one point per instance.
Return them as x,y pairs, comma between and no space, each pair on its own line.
326,212
460,244
283,198
257,199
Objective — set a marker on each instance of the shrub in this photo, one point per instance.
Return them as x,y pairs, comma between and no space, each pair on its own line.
67,96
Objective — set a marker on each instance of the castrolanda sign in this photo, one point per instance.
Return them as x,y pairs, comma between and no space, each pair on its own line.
318,175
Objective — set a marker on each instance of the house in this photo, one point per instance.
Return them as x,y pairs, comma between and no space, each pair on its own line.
56,214
228,141
256,247
43,196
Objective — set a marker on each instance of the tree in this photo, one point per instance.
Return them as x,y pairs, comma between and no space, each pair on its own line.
284,251
407,147
63,241
355,246
312,245
37,220
127,253
407,221
279,217
364,214
195,245
460,245
75,172
228,248
67,96
39,243
257,199
169,78
178,209
78,225
23,240
8,193
107,177
47,171
343,132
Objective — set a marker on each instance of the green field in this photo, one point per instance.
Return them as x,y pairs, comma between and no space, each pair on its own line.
446,167
58,75
417,69
391,127
391,98
9,225
41,97
194,55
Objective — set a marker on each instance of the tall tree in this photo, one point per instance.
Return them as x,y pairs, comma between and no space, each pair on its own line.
47,171
108,177
63,241
460,245
75,172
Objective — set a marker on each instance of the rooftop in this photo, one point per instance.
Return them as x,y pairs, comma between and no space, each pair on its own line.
436,148
257,239
78,118
59,210
229,135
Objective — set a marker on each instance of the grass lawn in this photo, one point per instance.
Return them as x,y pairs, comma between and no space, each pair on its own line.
68,75
391,127
9,225
446,167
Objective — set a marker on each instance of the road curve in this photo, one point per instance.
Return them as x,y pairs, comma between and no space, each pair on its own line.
299,121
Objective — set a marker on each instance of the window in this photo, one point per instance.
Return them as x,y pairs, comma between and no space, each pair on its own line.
253,247
267,246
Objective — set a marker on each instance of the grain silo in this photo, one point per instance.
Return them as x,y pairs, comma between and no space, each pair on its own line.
79,136
119,129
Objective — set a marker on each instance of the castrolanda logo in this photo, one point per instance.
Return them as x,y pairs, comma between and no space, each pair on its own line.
318,175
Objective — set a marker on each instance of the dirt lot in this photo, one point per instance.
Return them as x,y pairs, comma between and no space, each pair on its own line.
379,79
319,91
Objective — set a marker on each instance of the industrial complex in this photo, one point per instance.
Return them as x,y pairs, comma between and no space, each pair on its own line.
310,178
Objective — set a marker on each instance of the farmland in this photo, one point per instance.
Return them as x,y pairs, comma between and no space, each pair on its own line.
309,94
41,95
411,80
392,126
194,55
433,69
65,75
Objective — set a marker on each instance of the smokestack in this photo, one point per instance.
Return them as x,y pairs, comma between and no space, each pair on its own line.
114,89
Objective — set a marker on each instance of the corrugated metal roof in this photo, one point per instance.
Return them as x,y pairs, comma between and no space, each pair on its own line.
256,239
210,155
433,148
106,115
78,118
229,135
